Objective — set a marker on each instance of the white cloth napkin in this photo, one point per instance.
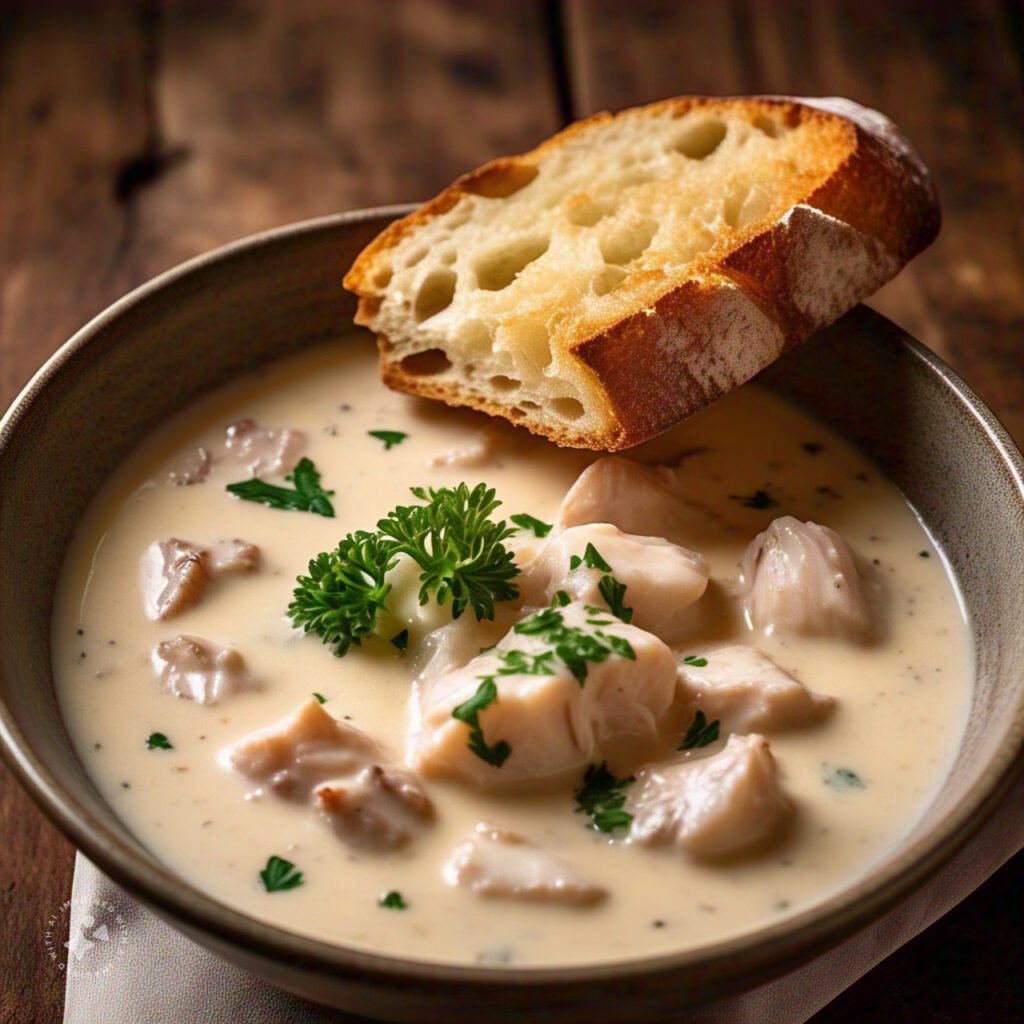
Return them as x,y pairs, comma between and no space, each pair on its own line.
126,966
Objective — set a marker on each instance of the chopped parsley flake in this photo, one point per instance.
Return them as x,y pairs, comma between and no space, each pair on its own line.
696,661
320,697
701,733
759,499
392,901
561,599
280,875
843,778
527,522
602,797
573,645
401,641
306,496
591,559
469,712
158,741
612,590
389,437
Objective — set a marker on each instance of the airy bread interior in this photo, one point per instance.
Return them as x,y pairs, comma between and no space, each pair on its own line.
481,296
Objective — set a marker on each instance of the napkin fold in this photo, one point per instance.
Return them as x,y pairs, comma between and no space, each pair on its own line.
125,965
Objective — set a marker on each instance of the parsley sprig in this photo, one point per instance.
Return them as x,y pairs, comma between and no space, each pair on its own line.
306,496
602,797
451,537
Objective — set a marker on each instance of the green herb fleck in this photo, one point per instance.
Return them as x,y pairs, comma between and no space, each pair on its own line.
469,712
392,901
591,559
389,437
401,640
158,741
280,875
527,522
759,499
695,660
843,778
602,797
306,496
700,734
614,593
561,599
321,699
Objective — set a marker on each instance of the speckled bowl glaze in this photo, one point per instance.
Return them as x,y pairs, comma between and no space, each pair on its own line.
202,324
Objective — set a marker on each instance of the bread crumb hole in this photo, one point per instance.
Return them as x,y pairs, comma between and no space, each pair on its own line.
567,408
448,258
502,383
734,205
699,141
499,180
475,337
499,269
607,280
426,364
628,242
769,126
416,256
435,294
529,406
382,278
582,211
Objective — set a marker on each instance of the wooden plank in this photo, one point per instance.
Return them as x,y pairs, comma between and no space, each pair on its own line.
135,136
950,77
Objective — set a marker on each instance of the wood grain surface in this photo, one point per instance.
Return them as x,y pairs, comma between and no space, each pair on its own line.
135,135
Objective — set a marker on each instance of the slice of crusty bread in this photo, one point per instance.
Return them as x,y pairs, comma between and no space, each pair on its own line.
636,266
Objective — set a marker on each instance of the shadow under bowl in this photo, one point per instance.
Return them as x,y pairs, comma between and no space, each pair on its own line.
215,317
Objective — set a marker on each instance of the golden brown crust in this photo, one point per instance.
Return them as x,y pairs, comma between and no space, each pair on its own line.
751,299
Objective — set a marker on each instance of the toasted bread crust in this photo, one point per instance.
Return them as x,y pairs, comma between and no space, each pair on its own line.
742,305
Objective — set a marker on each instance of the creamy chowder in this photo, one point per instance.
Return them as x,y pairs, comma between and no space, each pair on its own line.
850,773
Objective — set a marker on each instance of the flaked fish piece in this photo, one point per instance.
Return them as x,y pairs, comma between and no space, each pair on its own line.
746,691
646,501
662,579
312,757
264,450
191,468
498,862
549,723
710,806
804,578
175,572
198,669
480,450
379,809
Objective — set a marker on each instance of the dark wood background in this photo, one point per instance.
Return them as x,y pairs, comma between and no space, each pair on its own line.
134,135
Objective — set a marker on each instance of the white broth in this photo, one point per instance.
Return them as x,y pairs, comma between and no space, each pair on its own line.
901,701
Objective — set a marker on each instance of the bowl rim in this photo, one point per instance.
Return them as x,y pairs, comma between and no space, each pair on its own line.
726,966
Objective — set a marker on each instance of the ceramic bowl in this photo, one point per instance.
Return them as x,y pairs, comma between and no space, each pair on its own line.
222,314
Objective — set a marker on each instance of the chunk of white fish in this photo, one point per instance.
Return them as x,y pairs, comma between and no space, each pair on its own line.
745,691
662,579
264,450
498,862
554,724
174,572
646,501
198,669
312,757
713,805
804,578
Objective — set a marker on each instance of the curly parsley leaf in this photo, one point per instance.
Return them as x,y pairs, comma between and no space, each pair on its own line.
280,875
701,733
306,496
602,798
393,900
158,741
459,548
527,522
345,590
389,437
469,712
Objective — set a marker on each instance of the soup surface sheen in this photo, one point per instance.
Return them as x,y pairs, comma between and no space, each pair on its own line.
899,718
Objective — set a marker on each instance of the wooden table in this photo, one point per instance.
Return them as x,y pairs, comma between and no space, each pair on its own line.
137,134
